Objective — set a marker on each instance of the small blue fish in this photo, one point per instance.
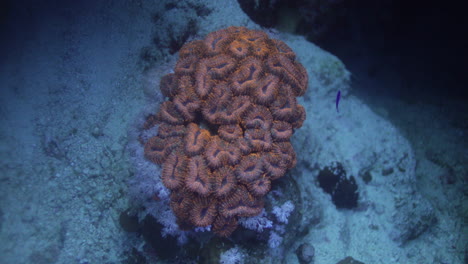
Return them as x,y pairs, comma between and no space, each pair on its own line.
338,96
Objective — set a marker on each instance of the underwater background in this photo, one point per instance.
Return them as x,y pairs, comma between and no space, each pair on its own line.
382,157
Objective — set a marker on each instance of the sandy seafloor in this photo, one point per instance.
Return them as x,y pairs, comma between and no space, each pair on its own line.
72,80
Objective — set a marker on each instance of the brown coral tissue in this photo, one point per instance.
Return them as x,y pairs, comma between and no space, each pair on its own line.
224,131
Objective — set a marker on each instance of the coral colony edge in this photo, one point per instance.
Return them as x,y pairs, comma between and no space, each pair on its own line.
223,135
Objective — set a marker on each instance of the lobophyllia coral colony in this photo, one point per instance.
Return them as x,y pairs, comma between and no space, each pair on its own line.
223,134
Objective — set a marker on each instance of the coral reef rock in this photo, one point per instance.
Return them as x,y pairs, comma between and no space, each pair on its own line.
305,253
223,134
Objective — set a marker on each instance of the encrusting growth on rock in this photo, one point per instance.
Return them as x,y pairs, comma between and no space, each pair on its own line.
224,131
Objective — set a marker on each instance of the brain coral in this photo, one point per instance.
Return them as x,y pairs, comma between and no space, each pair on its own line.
223,134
